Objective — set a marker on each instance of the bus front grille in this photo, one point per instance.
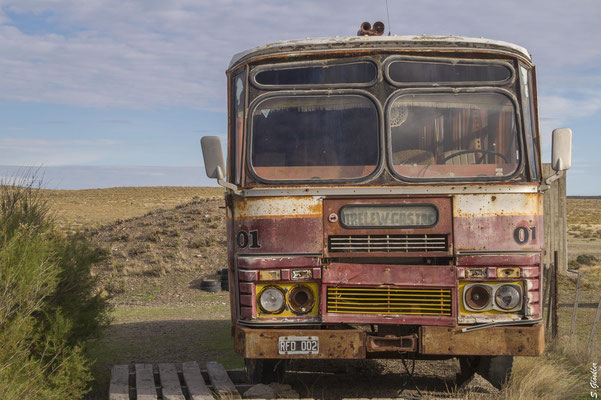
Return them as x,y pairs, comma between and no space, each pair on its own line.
389,301
387,243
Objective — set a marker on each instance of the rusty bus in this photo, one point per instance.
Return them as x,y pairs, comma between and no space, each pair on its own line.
384,199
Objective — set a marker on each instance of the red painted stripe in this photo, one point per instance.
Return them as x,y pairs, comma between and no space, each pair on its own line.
248,276
277,262
246,300
246,287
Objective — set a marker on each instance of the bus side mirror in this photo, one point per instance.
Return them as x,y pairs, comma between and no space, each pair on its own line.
213,156
561,159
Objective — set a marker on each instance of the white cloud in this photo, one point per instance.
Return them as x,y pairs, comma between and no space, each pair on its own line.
144,54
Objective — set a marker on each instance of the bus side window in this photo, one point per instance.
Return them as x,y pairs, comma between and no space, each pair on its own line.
238,105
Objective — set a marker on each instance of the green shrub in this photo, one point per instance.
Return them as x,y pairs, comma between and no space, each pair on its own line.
48,302
573,265
587,259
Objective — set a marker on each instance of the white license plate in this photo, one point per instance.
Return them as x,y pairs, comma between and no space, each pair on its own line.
298,345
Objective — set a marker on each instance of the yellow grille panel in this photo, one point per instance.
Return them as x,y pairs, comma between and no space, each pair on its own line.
389,301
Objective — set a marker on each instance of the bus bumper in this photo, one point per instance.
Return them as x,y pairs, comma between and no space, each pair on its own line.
431,340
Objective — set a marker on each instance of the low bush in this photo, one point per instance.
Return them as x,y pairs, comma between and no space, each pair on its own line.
49,306
587,259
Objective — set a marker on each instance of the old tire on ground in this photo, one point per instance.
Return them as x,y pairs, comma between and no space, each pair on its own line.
225,280
265,370
496,370
209,285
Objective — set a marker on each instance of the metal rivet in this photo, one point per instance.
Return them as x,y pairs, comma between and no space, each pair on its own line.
333,217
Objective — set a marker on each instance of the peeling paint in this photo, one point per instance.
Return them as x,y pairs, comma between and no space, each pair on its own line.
281,207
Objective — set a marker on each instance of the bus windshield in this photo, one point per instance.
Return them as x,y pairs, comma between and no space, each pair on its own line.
452,135
315,137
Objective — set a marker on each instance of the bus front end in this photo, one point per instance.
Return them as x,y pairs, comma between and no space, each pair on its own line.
384,200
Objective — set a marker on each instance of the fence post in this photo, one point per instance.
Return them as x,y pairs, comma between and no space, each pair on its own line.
589,347
549,297
555,319
575,304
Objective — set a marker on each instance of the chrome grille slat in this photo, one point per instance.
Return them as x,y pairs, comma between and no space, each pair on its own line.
388,243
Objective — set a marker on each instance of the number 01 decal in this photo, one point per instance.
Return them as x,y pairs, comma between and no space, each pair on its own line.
245,238
523,234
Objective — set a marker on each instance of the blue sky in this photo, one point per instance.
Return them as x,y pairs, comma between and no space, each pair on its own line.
118,83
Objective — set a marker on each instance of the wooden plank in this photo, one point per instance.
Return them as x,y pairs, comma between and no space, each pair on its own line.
195,382
555,220
550,296
119,387
573,326
562,234
145,387
589,347
222,384
170,384
555,309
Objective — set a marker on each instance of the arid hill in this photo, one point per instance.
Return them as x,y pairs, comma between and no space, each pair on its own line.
162,255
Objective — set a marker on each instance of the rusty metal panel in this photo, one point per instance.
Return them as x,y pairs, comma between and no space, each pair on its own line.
389,274
270,207
392,343
263,343
333,226
279,235
494,341
499,259
273,225
499,222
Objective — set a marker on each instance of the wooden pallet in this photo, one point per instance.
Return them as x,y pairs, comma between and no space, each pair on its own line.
168,382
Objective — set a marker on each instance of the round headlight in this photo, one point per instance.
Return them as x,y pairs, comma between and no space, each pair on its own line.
301,299
477,297
271,300
508,297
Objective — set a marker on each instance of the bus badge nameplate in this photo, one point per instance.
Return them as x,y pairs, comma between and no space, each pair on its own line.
389,216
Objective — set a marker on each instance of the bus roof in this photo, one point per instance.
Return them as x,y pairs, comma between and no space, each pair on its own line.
379,42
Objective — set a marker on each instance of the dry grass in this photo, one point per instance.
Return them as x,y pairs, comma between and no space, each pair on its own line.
78,209
584,218
584,211
543,378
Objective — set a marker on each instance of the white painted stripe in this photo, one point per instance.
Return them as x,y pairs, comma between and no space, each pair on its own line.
483,205
278,207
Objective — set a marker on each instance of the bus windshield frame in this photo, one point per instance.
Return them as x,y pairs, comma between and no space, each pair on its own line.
382,93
